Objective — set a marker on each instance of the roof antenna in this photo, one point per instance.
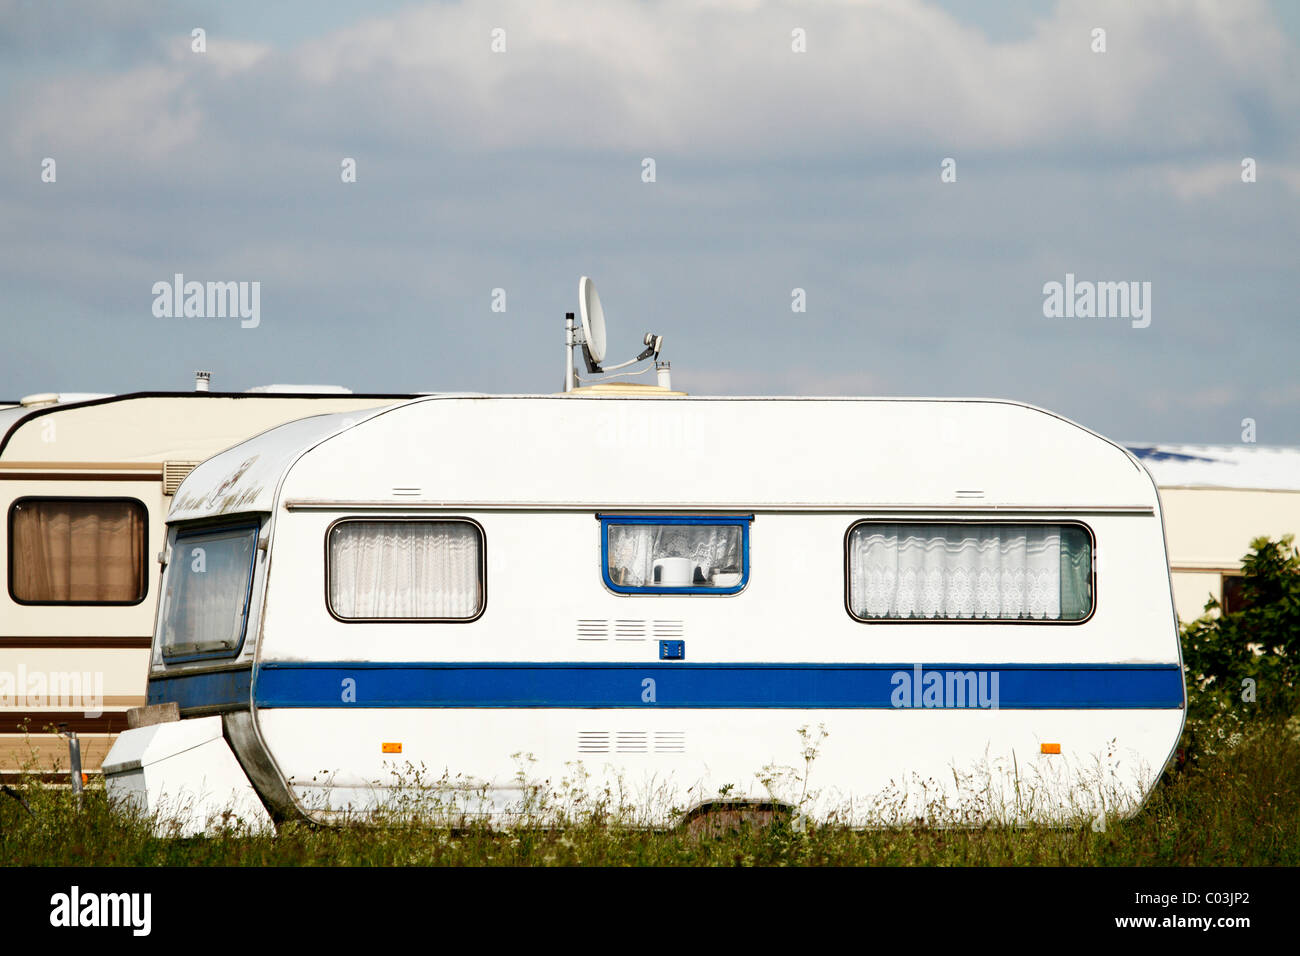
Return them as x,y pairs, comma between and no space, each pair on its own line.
592,339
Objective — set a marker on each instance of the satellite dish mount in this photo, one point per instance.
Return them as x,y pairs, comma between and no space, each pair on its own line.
591,337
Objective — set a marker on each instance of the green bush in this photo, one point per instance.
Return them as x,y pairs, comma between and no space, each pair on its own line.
1243,666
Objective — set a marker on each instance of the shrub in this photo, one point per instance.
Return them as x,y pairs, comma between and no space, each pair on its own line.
1243,666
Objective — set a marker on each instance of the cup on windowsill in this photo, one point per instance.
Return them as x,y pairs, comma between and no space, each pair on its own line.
672,573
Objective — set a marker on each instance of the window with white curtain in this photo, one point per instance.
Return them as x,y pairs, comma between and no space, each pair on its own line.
970,571
406,569
206,590
676,554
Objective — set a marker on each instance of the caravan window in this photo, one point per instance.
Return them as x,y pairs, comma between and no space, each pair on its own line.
406,569
206,591
675,555
1233,598
77,551
969,572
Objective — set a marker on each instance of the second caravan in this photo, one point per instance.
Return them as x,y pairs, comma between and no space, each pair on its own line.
85,483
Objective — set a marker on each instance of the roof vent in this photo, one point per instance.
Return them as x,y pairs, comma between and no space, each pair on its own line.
299,390
61,398
41,398
202,380
174,473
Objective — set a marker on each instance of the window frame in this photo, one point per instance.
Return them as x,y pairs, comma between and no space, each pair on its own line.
985,522
743,521
1241,604
208,528
144,551
427,519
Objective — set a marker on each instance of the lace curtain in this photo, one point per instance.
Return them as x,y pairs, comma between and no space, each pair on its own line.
952,571
207,590
405,569
711,549
77,551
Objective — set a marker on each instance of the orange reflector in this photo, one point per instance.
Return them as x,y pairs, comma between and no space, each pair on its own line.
1051,748
392,748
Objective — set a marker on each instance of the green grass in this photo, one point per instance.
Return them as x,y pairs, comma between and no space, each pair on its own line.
1239,807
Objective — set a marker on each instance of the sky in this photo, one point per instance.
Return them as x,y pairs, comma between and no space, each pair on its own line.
914,175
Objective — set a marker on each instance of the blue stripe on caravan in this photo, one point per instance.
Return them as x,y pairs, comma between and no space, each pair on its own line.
227,689
749,685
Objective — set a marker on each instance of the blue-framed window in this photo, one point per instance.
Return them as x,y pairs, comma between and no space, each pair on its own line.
675,554
206,593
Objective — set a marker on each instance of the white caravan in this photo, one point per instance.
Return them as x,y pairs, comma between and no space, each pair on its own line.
969,598
866,610
85,483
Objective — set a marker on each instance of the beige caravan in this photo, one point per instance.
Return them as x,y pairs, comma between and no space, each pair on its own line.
85,484
1216,500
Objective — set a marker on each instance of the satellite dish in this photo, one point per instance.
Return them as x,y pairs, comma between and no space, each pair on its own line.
593,319
592,339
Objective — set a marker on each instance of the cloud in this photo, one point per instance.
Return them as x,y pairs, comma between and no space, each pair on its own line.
1193,182
721,79
635,76
777,170
142,116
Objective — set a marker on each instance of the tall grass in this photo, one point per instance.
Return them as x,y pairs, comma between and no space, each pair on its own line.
1240,806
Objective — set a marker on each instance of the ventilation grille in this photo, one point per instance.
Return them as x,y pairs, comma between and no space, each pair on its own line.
631,742
670,742
627,629
174,473
406,491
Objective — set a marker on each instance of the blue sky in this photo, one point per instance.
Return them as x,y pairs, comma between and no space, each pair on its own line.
775,170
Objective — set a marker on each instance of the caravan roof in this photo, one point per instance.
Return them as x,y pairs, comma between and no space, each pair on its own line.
144,426
1260,467
577,452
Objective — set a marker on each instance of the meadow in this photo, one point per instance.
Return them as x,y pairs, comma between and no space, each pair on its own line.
1239,806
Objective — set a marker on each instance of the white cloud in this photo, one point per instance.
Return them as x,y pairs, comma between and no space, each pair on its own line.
145,114
816,170
1196,181
227,56
721,79
1201,180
